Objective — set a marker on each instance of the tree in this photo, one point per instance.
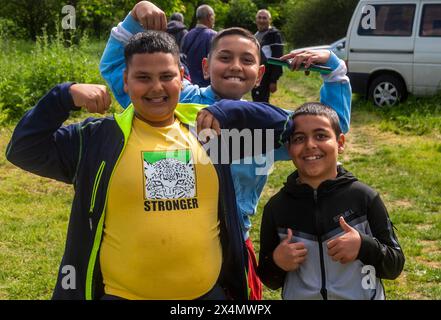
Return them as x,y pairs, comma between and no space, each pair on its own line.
242,14
316,22
31,16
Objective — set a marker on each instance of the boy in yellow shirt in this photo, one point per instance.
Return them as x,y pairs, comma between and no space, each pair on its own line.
152,216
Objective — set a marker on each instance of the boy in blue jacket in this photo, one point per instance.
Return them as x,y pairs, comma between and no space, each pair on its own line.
152,217
234,69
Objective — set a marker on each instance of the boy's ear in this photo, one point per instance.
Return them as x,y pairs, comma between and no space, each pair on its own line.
260,74
341,143
205,68
126,87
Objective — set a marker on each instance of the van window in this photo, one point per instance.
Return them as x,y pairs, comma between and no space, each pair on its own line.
390,20
431,21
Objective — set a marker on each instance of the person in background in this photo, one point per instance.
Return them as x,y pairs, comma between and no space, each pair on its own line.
177,28
271,44
197,42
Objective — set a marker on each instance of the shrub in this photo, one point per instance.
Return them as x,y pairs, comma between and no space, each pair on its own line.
26,76
242,14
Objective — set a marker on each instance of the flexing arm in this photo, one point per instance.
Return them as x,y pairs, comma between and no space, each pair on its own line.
143,15
41,145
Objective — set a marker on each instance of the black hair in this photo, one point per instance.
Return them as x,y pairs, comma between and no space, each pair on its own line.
319,109
244,33
150,42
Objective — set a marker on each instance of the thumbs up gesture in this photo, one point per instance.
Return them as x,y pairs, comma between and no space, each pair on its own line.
288,256
346,247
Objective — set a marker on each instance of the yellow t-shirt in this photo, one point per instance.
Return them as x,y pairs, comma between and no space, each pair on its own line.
161,230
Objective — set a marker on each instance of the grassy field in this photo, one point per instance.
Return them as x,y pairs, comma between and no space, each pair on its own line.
398,152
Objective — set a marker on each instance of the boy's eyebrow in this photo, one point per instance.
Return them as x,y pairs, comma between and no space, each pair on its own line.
140,72
315,130
321,129
230,52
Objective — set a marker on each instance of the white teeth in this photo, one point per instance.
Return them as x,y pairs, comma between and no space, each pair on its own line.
313,158
156,100
234,79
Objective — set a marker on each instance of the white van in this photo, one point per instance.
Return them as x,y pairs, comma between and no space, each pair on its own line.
394,48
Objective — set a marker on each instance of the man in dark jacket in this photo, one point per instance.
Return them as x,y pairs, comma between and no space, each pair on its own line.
270,41
177,28
197,43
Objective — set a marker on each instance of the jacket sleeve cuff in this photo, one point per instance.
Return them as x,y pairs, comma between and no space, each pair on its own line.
333,61
131,25
338,68
367,249
219,114
66,97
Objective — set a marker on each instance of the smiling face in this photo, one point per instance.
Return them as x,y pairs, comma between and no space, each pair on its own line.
263,20
314,149
153,81
233,67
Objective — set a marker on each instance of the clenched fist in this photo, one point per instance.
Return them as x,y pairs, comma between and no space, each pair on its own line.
94,97
149,16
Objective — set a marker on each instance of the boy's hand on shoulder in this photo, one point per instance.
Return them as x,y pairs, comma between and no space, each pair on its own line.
94,97
149,16
206,124
307,57
345,248
289,256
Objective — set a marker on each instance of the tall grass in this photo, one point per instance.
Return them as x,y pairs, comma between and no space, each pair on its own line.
29,70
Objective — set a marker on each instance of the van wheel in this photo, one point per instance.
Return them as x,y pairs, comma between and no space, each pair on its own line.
387,90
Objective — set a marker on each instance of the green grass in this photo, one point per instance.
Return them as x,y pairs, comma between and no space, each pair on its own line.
396,151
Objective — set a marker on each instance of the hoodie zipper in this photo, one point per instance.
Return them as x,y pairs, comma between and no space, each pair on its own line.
323,290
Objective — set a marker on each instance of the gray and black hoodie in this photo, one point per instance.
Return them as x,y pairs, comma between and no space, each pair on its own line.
313,216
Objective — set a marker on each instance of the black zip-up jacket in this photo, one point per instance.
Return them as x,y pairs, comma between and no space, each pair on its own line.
178,30
273,40
313,216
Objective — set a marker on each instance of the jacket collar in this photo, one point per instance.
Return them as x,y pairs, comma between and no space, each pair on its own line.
300,190
185,112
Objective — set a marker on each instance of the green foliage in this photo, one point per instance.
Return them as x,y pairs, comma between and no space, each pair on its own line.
9,29
32,16
27,74
316,22
242,14
93,16
96,17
